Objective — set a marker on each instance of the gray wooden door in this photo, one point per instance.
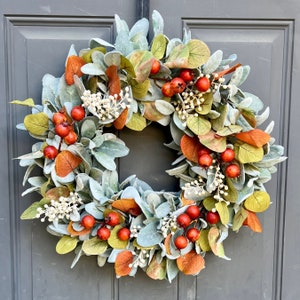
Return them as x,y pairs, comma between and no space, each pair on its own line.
34,40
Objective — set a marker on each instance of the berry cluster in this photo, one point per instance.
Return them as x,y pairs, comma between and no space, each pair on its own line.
111,220
64,128
106,108
60,209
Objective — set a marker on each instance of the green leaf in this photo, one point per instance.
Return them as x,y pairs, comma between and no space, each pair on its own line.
232,193
149,236
88,128
31,211
136,122
222,209
213,142
26,102
218,123
142,63
164,107
259,201
209,203
198,125
240,75
159,45
94,246
203,240
239,219
216,247
157,269
127,66
114,241
37,124
199,53
140,89
229,130
246,153
205,107
66,244
178,57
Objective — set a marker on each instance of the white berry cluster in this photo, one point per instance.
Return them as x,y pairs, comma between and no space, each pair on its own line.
169,225
106,107
60,209
218,186
196,186
134,230
141,260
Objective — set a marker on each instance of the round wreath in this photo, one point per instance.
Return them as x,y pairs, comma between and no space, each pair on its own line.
223,161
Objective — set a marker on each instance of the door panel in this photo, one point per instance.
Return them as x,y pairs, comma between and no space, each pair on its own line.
35,39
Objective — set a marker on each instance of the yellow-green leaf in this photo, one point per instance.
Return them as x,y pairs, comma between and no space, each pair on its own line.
66,244
259,201
158,47
140,89
203,240
178,57
232,193
246,153
218,123
213,142
114,241
198,125
157,270
37,124
26,102
209,203
205,107
222,209
239,219
94,246
136,122
217,248
87,56
31,211
199,53
127,66
229,130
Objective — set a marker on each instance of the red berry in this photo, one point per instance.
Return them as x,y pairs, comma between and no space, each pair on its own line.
187,75
232,171
62,129
193,211
124,234
228,155
205,160
184,220
155,67
77,113
58,118
202,84
212,217
193,234
103,233
112,218
50,152
203,150
177,85
181,242
88,221
71,138
166,90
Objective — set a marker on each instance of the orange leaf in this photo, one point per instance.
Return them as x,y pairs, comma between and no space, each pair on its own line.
167,243
190,147
186,201
73,67
127,206
66,162
114,84
123,260
190,263
77,233
120,122
255,137
252,221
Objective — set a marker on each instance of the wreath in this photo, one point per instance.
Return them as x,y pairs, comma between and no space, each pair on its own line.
223,162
